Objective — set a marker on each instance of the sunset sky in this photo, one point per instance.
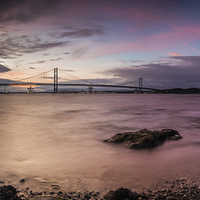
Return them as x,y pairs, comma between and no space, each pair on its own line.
113,41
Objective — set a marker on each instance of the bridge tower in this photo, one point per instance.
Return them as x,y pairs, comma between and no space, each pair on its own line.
140,84
55,80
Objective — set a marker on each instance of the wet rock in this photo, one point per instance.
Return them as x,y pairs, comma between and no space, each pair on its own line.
51,193
118,138
169,132
32,193
22,181
39,193
144,138
146,142
8,192
22,196
55,187
121,194
60,193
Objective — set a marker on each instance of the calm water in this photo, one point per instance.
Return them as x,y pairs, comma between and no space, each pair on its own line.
57,139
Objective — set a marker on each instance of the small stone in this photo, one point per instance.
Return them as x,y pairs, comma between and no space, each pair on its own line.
59,193
166,182
22,181
169,191
55,186
32,193
163,190
194,186
91,193
181,179
149,191
51,193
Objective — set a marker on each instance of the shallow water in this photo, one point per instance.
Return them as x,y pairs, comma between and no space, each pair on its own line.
57,139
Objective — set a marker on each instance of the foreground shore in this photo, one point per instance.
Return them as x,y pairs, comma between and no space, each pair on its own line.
183,188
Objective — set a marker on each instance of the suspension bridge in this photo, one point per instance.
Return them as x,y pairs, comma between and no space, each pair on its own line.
57,77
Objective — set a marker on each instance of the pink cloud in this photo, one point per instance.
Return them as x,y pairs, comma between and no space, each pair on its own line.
174,54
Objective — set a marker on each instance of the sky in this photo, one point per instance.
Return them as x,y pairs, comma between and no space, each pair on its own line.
106,41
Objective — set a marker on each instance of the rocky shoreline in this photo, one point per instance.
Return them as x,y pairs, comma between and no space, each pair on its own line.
183,188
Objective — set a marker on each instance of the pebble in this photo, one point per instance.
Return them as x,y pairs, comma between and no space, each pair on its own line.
22,181
55,186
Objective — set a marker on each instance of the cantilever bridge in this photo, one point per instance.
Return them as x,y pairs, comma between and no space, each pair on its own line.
60,77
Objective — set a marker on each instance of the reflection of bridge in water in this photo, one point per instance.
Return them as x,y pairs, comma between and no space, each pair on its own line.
60,77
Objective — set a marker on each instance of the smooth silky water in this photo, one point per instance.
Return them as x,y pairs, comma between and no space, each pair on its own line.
57,139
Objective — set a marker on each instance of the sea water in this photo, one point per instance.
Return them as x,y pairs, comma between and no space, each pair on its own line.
57,139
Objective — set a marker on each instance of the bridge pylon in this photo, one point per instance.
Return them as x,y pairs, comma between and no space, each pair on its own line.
55,80
140,84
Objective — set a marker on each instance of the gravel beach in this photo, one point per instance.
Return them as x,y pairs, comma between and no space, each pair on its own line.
183,188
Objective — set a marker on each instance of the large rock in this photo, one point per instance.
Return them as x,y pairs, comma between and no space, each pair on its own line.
144,138
8,192
121,194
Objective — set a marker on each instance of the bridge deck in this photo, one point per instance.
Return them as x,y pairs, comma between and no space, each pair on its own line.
75,84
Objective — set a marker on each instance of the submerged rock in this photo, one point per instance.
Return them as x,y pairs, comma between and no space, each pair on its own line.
144,138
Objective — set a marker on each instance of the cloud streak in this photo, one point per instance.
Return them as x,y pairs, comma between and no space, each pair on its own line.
189,45
12,47
89,32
